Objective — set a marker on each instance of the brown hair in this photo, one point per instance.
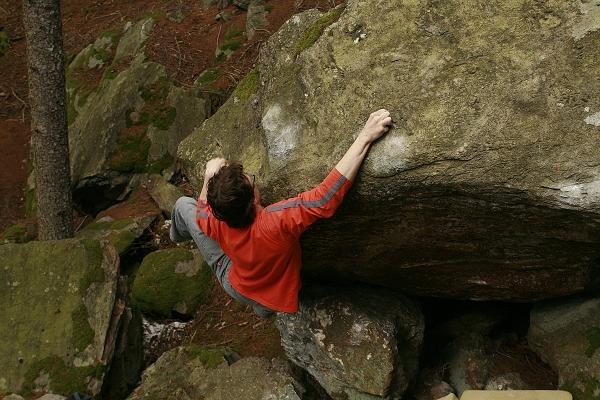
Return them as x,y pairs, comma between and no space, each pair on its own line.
231,196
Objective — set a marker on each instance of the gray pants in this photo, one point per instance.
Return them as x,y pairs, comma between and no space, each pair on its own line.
184,227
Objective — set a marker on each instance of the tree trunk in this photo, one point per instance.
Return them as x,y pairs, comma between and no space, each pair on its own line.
49,137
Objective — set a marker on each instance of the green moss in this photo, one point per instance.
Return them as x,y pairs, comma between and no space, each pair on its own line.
231,46
314,32
232,32
109,73
163,117
83,334
210,358
157,288
72,86
232,40
121,240
95,255
113,34
4,42
30,203
208,76
103,55
76,91
268,8
156,91
161,164
131,153
17,233
63,379
247,86
593,337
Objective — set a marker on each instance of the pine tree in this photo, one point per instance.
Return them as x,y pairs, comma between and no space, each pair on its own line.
49,136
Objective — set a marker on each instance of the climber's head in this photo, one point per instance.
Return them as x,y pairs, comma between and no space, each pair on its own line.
231,195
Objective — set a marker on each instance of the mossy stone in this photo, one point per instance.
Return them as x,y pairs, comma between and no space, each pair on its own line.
171,280
121,233
248,86
63,378
58,298
209,357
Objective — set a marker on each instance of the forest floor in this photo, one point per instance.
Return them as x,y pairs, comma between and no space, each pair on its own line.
185,48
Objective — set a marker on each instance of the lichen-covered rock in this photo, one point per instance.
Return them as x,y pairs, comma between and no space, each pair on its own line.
121,233
57,302
566,334
490,179
357,343
171,280
131,121
191,372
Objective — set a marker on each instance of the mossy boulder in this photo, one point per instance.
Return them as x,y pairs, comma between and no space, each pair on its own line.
171,280
193,372
490,178
566,335
58,299
121,233
131,120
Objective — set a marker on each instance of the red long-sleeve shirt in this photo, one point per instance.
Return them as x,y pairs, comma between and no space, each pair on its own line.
266,256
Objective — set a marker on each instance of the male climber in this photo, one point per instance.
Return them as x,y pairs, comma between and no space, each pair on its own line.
255,251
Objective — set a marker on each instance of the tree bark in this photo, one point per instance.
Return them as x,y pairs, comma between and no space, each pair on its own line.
49,135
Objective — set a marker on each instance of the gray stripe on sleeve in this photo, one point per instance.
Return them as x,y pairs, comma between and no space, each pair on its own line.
309,204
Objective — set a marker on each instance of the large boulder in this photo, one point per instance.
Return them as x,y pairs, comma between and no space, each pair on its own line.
357,343
192,372
58,325
490,179
566,334
171,281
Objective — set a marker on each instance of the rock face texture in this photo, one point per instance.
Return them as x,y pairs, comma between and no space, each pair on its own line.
491,178
188,373
566,334
58,298
357,344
